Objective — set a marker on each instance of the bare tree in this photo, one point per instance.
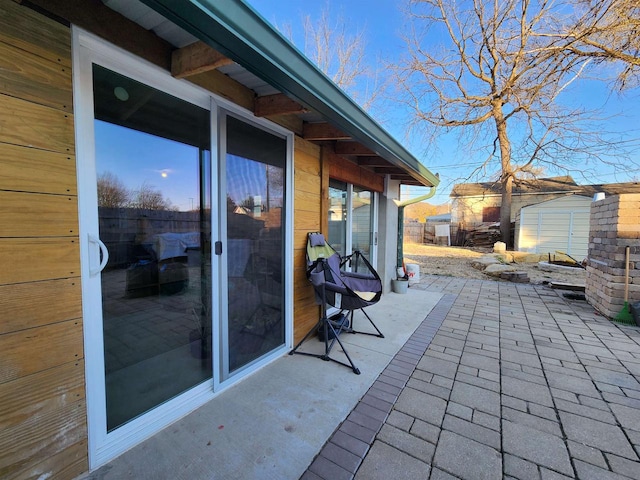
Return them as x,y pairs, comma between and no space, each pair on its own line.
338,49
111,191
330,46
496,78
149,198
608,32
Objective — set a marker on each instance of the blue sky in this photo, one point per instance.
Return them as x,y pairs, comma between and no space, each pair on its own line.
156,162
137,159
383,22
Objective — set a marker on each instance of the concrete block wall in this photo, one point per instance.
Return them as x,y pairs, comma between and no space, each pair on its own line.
614,225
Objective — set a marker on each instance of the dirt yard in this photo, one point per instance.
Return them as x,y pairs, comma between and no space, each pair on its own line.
456,262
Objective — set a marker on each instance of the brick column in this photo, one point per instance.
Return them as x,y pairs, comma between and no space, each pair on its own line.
614,225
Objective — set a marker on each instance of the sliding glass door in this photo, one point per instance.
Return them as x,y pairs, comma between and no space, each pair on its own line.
185,244
153,166
255,163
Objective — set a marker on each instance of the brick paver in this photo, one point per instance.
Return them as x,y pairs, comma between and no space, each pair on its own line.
500,380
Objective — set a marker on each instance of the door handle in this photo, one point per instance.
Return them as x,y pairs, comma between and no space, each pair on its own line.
105,255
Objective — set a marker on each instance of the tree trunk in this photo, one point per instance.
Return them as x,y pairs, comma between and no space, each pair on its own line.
505,211
506,176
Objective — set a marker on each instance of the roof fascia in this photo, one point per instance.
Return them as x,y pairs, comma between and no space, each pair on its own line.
236,30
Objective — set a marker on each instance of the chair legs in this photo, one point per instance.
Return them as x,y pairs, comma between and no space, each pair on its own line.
379,334
329,330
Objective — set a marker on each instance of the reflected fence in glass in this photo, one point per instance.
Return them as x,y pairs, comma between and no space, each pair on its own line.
153,165
255,178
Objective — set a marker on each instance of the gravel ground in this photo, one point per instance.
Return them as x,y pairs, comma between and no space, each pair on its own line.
456,262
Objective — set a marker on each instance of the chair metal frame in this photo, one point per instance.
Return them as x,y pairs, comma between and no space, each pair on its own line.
330,328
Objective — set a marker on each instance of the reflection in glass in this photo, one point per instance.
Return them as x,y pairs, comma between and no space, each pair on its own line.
361,221
153,164
338,216
255,166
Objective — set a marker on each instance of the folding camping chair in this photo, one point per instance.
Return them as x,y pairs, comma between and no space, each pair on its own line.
346,290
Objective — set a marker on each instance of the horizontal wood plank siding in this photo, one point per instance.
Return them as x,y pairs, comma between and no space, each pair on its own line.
32,32
27,169
35,126
43,426
36,429
307,218
38,215
37,259
24,75
39,297
36,349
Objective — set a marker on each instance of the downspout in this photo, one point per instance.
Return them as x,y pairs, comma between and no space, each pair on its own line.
401,206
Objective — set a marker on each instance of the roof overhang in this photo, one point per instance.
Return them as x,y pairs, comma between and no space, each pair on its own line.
236,30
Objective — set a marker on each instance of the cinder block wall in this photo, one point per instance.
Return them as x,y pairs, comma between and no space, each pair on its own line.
614,225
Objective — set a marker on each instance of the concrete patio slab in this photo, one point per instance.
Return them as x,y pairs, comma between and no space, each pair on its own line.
272,424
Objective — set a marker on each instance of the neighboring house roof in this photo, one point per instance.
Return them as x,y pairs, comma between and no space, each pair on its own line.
564,184
237,31
546,185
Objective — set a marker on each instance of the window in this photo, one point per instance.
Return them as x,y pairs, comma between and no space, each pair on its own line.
491,214
352,219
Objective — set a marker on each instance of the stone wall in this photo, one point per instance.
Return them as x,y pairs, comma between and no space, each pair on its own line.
614,225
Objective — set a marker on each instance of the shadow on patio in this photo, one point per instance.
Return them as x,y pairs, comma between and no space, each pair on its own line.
273,423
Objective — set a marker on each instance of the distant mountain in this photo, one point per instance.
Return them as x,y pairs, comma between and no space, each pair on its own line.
420,211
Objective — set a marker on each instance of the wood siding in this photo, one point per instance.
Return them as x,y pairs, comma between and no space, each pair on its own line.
308,181
43,431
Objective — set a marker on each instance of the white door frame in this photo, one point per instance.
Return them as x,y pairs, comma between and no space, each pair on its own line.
89,49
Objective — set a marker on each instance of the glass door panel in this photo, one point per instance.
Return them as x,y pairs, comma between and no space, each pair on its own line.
153,165
255,180
338,216
361,221
352,219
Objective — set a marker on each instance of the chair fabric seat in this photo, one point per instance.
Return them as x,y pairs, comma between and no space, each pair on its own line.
368,296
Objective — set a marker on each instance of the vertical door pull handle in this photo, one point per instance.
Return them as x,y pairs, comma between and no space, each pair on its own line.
93,271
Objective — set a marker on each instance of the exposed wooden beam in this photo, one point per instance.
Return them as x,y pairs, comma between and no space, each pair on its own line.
323,131
347,171
196,58
353,148
99,19
278,104
290,122
406,179
390,170
225,86
374,162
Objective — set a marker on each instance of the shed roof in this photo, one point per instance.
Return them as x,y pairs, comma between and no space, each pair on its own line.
570,199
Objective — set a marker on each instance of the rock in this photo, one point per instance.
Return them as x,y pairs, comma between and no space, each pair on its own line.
484,261
497,269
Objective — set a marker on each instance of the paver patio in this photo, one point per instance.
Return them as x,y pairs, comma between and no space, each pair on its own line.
500,380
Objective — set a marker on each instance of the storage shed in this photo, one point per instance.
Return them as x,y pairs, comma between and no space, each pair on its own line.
561,224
